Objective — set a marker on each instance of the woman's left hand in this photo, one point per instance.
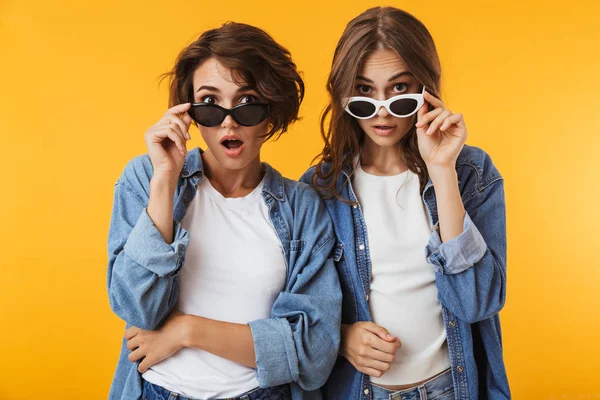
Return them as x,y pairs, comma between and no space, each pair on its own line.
441,134
155,346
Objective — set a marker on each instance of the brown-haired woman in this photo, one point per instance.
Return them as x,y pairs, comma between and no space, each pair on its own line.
221,267
420,220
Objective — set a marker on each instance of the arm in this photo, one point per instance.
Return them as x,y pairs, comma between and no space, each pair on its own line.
142,266
145,247
471,268
300,342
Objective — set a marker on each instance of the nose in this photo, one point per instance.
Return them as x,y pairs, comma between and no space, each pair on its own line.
228,122
382,112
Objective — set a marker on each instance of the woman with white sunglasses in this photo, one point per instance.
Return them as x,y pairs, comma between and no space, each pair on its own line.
420,221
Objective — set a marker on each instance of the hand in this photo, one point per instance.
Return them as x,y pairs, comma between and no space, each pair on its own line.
369,347
166,141
155,346
441,134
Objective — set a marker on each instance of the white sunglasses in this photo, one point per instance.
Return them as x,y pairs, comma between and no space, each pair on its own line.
400,106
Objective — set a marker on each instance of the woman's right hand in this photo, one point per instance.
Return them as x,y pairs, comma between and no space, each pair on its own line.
166,141
369,347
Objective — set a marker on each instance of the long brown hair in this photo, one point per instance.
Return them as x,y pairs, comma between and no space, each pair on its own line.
258,60
376,28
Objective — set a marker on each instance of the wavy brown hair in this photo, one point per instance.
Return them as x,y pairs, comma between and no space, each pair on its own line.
377,28
257,60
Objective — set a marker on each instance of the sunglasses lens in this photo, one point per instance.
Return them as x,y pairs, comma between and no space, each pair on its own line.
207,114
250,114
402,107
361,109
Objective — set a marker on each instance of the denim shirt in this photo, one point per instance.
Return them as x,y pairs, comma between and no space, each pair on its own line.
470,275
297,345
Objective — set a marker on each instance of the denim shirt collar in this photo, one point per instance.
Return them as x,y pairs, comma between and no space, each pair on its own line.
193,167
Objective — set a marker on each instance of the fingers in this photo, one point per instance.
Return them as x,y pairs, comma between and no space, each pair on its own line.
136,355
370,371
133,343
159,134
454,119
131,332
180,108
387,347
379,331
179,124
434,101
434,126
427,118
145,364
374,364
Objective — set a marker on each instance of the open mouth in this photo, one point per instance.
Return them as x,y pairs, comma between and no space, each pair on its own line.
232,144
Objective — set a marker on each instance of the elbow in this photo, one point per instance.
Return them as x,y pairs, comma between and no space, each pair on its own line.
134,313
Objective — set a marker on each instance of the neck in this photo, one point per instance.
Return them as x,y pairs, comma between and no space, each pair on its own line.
378,160
232,182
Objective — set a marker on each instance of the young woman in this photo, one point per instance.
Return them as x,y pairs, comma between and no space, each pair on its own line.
420,221
221,267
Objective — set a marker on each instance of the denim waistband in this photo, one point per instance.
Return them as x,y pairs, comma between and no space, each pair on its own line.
435,388
155,392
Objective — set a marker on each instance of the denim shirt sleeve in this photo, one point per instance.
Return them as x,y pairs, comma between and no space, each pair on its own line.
471,268
300,342
142,267
458,254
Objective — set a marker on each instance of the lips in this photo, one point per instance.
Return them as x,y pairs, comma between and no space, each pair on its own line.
232,145
384,130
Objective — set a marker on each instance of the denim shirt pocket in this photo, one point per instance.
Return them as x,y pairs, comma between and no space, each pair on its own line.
349,306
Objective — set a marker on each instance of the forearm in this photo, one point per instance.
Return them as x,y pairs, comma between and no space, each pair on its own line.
451,211
225,339
160,205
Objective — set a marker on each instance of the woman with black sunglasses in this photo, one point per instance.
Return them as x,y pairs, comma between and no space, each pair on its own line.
420,219
221,267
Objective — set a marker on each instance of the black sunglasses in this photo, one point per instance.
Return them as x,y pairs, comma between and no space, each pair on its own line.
247,114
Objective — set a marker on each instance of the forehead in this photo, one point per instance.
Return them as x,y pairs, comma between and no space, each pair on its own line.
382,64
212,73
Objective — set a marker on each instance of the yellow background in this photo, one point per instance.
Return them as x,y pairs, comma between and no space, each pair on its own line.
78,89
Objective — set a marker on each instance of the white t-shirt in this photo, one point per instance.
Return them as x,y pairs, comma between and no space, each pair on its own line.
403,298
234,270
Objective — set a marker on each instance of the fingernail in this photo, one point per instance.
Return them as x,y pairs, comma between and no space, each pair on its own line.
388,336
428,131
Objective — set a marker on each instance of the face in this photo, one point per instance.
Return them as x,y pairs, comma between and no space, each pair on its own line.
384,74
232,145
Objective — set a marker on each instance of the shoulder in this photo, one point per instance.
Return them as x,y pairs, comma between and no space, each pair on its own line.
136,177
475,169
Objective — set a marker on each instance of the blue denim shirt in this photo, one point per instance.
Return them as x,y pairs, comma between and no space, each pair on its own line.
470,275
297,345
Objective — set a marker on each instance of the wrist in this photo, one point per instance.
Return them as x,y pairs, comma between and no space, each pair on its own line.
163,182
188,329
442,174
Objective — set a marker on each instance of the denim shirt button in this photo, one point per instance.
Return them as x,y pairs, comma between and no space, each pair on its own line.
452,324
460,368
355,206
367,297
366,391
361,247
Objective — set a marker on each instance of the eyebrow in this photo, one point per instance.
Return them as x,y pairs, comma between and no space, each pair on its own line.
398,75
209,88
214,89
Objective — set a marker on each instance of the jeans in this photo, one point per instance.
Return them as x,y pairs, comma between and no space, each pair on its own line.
438,388
154,392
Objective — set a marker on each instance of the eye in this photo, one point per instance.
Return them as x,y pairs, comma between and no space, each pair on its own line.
208,100
248,98
363,89
400,87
